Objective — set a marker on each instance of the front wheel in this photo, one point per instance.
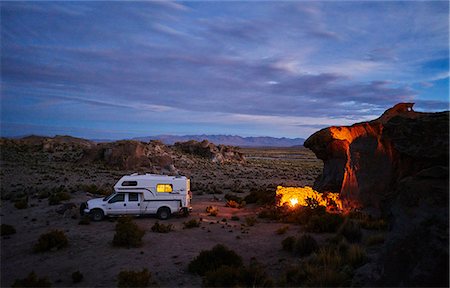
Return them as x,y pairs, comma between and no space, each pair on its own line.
163,213
97,215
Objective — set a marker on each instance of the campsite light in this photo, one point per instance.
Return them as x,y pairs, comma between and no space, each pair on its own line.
294,201
294,196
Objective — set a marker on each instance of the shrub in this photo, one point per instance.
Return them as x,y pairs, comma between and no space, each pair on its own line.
282,230
56,198
305,245
232,197
328,222
77,277
54,239
21,203
266,197
128,278
232,204
212,210
191,224
32,280
128,234
209,260
351,231
162,228
250,221
356,255
85,220
376,239
327,277
288,243
328,257
235,218
7,230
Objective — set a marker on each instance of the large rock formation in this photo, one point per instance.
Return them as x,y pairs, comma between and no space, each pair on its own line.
208,150
397,165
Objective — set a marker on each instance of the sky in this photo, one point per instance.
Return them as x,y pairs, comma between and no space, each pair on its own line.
115,70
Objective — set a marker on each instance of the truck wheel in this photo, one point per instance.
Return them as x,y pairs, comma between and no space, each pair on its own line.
97,215
163,213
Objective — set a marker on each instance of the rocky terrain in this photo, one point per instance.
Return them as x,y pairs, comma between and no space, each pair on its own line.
396,165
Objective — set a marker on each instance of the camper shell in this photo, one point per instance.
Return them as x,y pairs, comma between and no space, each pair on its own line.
142,194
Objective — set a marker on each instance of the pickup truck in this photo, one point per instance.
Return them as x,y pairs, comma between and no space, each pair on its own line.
144,194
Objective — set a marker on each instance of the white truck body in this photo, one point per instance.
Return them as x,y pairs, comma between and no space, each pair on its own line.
143,194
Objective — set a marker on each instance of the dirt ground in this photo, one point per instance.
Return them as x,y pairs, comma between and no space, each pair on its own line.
166,256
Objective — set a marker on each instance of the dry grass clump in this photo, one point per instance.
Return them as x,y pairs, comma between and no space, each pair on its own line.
375,239
193,223
282,230
162,228
54,239
129,278
7,229
128,234
21,203
32,280
210,260
351,231
212,210
250,221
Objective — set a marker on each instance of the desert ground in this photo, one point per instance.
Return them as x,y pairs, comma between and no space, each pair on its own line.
165,255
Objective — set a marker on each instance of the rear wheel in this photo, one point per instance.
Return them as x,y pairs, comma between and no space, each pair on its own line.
97,215
163,213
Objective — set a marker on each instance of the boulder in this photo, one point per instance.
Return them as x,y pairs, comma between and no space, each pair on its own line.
208,150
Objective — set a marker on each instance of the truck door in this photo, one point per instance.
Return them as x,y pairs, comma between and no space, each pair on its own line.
117,205
134,203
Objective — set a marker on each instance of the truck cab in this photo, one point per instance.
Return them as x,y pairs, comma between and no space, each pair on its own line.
142,194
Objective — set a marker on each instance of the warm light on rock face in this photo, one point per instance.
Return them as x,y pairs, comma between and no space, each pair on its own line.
294,196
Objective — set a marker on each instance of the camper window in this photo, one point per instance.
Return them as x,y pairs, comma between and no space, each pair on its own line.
118,198
133,197
129,183
161,188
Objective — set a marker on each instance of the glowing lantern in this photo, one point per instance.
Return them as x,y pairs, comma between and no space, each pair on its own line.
294,201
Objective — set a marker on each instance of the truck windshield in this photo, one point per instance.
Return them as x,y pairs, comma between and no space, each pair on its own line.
108,197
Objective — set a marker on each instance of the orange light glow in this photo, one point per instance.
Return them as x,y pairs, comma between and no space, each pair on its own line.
294,196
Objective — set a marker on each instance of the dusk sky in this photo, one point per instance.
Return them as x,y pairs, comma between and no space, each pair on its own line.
284,69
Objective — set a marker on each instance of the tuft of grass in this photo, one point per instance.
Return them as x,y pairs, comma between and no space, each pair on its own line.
129,278
351,231
32,280
232,204
235,218
212,210
7,230
250,221
210,260
356,256
326,277
282,230
21,203
162,228
288,243
305,245
191,224
56,198
375,239
328,257
128,234
54,239
77,277
325,223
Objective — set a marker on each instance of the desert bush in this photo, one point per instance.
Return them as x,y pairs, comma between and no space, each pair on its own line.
162,228
235,218
327,277
21,203
351,231
209,260
328,257
305,245
85,220
191,224
282,230
232,197
232,204
355,256
266,197
129,278
7,230
212,210
77,277
288,243
128,234
56,198
368,222
225,276
55,239
32,280
375,239
250,221
328,222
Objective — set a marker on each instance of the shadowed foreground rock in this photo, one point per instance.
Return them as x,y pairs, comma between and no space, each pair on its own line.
396,165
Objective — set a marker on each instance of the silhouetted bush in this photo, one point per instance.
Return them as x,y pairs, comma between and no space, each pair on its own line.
305,245
128,278
193,223
162,228
54,239
21,203
282,230
250,221
235,218
355,256
232,204
328,222
232,197
376,239
56,197
7,230
212,210
32,280
266,197
288,243
210,260
351,231
128,234
77,277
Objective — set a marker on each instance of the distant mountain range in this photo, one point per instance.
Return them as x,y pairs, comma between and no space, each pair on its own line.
228,140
